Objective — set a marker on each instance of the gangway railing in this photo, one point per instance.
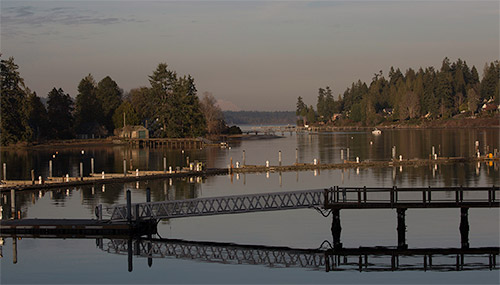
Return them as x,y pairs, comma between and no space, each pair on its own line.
219,205
321,199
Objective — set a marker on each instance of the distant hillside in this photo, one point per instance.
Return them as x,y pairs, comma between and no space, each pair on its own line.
260,118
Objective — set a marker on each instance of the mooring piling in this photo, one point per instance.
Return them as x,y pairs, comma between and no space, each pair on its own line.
50,168
4,171
81,171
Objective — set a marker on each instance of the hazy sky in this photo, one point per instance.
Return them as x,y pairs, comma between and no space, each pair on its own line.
259,55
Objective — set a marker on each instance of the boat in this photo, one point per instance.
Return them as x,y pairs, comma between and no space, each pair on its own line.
376,131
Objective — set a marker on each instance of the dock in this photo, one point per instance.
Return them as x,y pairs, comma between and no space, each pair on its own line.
141,218
141,175
73,227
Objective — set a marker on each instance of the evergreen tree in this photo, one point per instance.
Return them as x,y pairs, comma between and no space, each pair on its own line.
131,117
311,115
330,107
321,106
143,101
88,109
177,109
14,117
489,84
60,115
110,97
301,107
472,100
38,119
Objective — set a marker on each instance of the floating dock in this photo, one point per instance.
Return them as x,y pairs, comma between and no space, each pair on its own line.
74,227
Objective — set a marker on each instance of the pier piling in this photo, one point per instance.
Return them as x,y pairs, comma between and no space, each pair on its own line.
50,168
4,166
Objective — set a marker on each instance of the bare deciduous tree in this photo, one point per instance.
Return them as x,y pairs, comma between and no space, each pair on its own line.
213,114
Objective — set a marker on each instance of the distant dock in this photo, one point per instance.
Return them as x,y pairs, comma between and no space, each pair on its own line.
140,175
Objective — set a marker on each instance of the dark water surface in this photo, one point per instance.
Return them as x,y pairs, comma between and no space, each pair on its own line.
84,261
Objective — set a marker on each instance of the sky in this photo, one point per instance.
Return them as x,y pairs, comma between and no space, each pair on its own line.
251,55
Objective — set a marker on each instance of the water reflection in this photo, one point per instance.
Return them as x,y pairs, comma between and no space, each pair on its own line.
302,148
324,258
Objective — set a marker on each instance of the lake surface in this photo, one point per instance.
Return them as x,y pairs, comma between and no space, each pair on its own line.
86,261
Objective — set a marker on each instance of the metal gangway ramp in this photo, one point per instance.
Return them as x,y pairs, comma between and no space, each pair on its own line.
219,205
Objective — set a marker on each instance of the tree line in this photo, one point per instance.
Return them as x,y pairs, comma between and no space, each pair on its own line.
169,107
426,93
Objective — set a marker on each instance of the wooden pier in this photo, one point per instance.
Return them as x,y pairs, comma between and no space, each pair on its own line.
94,179
141,175
141,218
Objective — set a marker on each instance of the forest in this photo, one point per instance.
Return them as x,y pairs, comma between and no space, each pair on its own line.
425,94
169,107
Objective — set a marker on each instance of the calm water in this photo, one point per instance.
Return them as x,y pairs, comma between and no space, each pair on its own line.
82,261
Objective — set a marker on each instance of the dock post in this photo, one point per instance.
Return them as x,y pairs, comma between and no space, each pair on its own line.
464,227
32,177
81,171
92,165
4,172
342,155
401,228
50,168
347,153
129,207
124,167
164,165
336,228
296,155
279,158
243,163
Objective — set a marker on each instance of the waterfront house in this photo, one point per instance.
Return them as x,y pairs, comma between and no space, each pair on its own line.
133,132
